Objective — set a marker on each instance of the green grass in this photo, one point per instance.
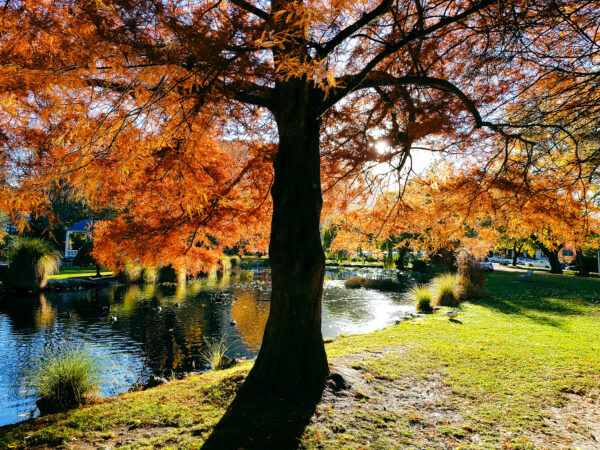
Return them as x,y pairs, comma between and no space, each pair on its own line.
76,272
511,356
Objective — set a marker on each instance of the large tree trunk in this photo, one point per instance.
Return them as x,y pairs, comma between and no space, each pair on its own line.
583,272
552,256
515,255
292,355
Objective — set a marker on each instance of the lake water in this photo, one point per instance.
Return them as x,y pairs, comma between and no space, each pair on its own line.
142,341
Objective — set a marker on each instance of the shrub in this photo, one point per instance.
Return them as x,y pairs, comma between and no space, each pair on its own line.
84,257
150,275
130,273
63,378
471,276
381,284
214,353
447,288
419,265
423,298
168,274
31,262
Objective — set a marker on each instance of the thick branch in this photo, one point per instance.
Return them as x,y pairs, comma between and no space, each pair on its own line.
364,21
354,82
380,79
246,6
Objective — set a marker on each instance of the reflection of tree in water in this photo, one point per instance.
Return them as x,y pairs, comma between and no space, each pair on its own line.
251,317
45,313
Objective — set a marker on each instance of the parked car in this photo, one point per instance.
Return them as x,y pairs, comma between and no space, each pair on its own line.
521,261
500,260
542,263
484,264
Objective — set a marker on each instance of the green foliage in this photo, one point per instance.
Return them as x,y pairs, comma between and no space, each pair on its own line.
31,262
381,284
419,265
84,255
447,290
423,298
63,378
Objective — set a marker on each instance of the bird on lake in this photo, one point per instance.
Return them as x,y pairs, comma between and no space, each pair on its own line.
113,319
233,323
177,305
452,314
157,309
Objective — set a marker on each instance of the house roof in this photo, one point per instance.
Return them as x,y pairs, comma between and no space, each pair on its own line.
82,226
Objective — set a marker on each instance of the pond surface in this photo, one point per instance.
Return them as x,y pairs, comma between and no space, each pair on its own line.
143,341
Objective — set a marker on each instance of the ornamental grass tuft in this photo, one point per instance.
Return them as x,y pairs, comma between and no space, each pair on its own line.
423,298
63,378
31,262
448,290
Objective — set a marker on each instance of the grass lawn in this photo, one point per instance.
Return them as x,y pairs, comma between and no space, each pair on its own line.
518,369
75,271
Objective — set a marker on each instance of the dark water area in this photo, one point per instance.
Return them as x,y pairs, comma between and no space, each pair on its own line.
144,341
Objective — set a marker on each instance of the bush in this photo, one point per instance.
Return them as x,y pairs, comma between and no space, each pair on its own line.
381,284
63,378
150,275
423,298
419,265
168,274
471,276
130,273
31,262
84,258
448,290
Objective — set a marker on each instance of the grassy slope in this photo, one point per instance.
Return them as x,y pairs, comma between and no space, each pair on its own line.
526,348
74,272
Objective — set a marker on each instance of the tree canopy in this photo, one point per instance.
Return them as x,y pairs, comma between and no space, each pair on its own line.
183,116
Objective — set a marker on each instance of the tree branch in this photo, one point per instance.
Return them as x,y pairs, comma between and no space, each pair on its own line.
353,82
364,21
246,6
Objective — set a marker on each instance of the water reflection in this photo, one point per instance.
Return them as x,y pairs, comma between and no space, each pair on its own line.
161,329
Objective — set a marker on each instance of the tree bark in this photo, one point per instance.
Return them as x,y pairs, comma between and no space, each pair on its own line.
583,272
515,255
292,355
552,256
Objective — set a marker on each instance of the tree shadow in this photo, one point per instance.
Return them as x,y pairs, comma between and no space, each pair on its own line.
534,303
264,420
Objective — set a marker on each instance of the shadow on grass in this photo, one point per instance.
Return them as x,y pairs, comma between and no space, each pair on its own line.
264,421
542,300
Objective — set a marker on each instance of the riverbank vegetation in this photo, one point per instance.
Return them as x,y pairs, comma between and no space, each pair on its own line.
31,262
516,369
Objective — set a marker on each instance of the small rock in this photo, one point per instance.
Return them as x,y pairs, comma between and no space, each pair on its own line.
153,381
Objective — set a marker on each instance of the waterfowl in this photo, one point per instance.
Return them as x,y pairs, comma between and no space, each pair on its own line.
452,314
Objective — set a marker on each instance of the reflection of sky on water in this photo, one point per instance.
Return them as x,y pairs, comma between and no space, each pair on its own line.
143,341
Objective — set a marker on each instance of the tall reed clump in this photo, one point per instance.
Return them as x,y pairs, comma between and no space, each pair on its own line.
214,353
63,378
471,276
31,262
423,298
130,273
383,284
150,275
447,290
